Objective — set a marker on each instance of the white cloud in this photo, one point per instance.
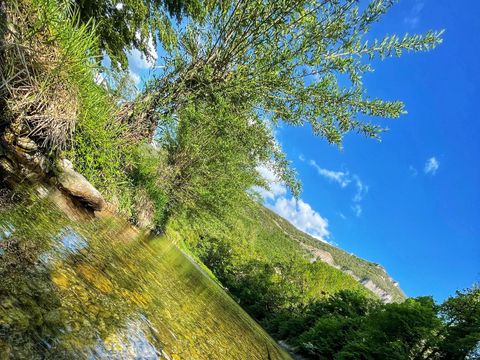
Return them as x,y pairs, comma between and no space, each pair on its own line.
276,187
340,177
135,77
413,17
362,189
431,166
99,78
298,212
301,215
357,209
139,60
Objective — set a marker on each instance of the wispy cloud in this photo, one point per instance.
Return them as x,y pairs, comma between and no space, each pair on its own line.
362,189
413,171
344,179
340,177
298,212
413,18
357,209
431,166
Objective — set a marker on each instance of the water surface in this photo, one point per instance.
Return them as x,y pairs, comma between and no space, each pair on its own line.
100,290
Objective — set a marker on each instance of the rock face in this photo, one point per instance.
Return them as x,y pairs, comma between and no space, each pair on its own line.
77,186
376,280
20,159
382,294
319,254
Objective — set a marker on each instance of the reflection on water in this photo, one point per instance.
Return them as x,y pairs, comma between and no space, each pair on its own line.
99,290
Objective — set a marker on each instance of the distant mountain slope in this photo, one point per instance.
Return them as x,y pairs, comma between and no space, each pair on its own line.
372,276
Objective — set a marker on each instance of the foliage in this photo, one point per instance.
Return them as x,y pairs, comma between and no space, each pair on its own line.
461,313
232,74
43,65
316,308
134,24
147,175
361,268
266,278
350,326
48,83
213,153
300,62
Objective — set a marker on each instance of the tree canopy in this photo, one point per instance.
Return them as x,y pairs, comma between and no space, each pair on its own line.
297,62
134,24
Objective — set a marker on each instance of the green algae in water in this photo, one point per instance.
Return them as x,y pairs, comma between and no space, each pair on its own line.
98,289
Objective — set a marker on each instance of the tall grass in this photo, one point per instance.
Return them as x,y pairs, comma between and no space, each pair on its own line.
48,78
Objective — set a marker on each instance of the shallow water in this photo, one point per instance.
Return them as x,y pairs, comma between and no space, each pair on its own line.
99,290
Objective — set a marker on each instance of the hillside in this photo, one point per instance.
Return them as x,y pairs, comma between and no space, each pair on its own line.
257,249
371,275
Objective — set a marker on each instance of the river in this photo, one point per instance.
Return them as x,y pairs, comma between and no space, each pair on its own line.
99,289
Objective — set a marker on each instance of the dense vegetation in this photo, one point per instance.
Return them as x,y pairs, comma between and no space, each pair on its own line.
348,263
349,326
319,310
258,264
182,155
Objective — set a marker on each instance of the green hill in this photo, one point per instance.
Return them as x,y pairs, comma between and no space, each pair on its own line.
372,275
261,257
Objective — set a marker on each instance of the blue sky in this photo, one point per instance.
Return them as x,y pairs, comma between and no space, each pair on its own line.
412,201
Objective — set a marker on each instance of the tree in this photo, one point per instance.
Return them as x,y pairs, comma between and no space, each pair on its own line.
212,154
284,61
126,25
461,315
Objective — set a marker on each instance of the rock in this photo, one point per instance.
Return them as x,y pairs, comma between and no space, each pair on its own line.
77,186
27,144
382,294
7,138
6,166
42,191
65,164
35,161
18,127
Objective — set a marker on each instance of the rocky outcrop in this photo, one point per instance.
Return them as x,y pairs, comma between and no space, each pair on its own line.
21,162
382,294
20,159
374,285
318,254
78,187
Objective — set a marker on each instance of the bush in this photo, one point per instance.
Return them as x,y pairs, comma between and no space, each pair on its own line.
150,183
